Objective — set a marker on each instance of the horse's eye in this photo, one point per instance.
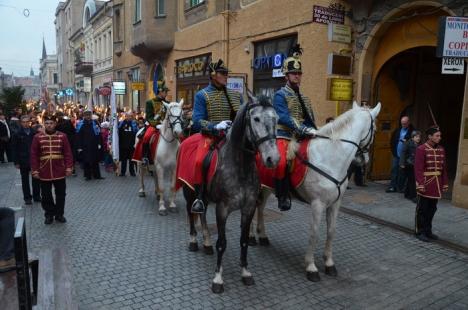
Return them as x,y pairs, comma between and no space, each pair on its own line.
256,119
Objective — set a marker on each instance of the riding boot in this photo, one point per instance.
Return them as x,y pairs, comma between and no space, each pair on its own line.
146,158
282,193
198,205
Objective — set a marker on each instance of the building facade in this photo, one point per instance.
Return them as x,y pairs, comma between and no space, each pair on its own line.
48,74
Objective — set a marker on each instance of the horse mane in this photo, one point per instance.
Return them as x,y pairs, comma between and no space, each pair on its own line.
335,128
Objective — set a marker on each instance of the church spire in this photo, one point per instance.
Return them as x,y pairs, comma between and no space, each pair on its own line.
31,73
44,53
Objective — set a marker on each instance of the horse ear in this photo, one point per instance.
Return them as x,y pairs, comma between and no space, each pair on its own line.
167,105
355,105
375,111
181,103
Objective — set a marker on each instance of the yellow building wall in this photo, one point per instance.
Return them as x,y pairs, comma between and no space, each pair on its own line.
262,20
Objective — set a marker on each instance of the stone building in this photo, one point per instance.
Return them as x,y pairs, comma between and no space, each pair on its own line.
48,72
31,85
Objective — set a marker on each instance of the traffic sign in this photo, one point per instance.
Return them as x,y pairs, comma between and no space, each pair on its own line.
453,65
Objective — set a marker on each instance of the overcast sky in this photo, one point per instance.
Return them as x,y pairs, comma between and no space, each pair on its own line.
21,37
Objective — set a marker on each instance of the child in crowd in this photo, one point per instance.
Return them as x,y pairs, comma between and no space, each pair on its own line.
107,158
407,164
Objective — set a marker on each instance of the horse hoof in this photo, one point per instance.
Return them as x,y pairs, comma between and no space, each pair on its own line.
208,249
264,241
331,271
252,241
193,247
163,212
141,194
174,210
217,288
313,276
248,281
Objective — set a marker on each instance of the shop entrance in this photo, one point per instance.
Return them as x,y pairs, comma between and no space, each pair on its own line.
410,83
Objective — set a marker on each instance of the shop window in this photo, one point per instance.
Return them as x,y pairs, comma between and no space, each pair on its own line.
191,3
160,8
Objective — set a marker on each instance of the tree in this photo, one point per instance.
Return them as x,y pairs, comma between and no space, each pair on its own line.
12,98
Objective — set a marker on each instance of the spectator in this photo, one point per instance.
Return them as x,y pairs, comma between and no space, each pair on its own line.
7,231
127,132
398,139
107,158
89,146
407,164
5,136
20,147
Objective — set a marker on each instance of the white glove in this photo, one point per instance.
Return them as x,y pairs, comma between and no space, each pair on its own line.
310,131
79,150
158,127
223,125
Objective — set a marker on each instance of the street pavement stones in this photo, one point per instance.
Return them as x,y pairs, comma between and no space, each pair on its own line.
125,256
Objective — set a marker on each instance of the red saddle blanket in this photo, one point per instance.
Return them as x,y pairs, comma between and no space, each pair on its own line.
297,172
152,137
186,172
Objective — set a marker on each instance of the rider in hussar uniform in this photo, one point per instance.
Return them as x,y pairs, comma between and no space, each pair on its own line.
295,118
155,114
214,110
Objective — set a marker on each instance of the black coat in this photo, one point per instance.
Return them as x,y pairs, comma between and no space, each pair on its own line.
127,135
21,147
89,143
4,132
396,136
407,154
66,126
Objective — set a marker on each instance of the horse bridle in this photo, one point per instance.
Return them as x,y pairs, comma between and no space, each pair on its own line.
256,143
360,152
178,120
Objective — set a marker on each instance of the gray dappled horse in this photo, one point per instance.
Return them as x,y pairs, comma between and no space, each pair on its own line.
330,154
236,184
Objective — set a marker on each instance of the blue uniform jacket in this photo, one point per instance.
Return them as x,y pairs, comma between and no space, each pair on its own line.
200,111
281,106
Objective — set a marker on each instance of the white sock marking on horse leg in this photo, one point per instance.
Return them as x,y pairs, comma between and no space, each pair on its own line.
311,268
245,273
193,239
317,210
218,279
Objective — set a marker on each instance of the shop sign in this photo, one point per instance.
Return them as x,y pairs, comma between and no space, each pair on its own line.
339,33
277,73
105,91
190,67
453,37
339,64
138,86
268,61
119,88
324,15
60,93
87,84
453,65
340,89
69,91
236,83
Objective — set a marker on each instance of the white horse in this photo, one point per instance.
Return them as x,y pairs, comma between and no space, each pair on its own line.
166,156
330,154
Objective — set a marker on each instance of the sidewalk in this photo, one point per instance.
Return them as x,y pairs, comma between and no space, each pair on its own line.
450,223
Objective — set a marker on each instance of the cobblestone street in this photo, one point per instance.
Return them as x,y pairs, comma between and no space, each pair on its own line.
125,256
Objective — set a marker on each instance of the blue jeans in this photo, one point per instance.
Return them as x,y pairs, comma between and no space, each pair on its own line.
7,233
398,177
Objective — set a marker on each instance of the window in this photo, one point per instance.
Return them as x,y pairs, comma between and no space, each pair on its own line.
137,16
160,8
55,78
117,24
192,3
119,75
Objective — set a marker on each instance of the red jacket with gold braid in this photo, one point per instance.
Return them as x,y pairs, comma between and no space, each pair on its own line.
51,156
430,171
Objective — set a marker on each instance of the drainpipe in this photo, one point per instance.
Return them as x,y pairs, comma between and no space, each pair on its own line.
226,12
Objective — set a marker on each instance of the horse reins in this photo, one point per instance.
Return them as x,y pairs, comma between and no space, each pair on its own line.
178,120
258,141
361,151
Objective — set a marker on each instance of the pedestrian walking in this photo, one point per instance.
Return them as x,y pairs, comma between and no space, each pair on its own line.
407,164
398,139
51,162
21,146
127,132
5,136
7,231
431,181
89,146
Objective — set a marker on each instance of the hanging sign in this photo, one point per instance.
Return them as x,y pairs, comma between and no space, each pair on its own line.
339,33
453,37
453,65
138,86
324,15
236,83
340,89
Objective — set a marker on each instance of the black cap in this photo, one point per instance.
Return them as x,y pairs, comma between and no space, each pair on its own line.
218,67
432,130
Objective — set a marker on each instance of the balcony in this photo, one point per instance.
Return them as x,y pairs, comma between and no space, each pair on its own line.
84,67
153,36
118,48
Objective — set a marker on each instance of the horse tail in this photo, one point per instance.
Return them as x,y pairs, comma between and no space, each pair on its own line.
293,147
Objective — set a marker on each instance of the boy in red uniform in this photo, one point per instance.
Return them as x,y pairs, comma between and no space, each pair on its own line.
431,180
51,162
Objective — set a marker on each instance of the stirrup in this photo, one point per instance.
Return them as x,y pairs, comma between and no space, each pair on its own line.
145,161
198,206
